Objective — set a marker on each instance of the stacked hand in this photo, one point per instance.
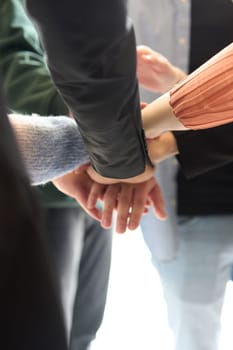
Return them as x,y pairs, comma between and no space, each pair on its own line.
131,197
130,201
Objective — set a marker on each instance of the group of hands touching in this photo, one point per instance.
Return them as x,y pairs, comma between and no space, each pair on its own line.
132,197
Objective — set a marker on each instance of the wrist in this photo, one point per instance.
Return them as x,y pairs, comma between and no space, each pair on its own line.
163,147
176,75
180,75
156,116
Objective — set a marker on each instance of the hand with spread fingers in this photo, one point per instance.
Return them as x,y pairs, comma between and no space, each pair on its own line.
129,200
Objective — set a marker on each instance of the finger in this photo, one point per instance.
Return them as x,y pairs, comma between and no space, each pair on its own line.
81,168
96,193
143,49
138,206
157,201
143,105
110,200
154,58
125,200
95,213
82,198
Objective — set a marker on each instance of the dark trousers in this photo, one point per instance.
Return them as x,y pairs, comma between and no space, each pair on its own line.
80,251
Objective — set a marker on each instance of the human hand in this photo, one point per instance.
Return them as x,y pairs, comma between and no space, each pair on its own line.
130,202
162,147
155,72
77,184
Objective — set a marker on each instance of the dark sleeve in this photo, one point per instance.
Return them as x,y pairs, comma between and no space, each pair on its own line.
204,150
27,83
90,48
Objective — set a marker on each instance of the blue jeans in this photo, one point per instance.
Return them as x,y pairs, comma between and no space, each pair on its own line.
194,282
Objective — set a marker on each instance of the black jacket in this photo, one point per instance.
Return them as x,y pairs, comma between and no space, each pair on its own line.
91,55
206,156
205,184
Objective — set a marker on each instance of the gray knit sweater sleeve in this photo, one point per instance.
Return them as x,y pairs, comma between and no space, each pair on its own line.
50,146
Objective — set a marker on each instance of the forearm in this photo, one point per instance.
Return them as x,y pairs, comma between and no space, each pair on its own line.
159,117
93,63
202,100
50,146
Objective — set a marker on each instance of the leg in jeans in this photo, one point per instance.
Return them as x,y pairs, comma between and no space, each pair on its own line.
92,285
194,283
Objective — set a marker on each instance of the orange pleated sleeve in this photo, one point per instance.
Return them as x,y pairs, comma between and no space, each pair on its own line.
205,98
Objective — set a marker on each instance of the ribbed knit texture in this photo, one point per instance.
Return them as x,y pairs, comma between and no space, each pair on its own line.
205,98
50,146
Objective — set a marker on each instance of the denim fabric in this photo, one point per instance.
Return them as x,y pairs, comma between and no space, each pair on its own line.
194,282
161,236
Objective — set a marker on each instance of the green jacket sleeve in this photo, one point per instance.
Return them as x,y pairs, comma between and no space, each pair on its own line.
27,83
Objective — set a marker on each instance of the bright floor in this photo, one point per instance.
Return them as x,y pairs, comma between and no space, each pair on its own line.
135,317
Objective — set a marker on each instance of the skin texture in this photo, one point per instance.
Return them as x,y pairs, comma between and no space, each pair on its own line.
155,72
129,200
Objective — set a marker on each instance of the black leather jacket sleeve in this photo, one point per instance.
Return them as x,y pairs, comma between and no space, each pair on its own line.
91,54
204,150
